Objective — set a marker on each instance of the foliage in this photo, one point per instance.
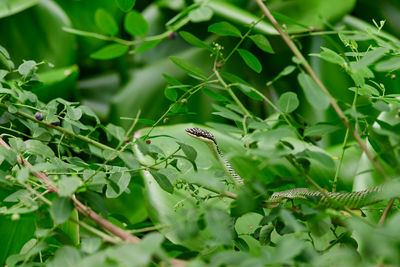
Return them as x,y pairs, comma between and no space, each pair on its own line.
121,183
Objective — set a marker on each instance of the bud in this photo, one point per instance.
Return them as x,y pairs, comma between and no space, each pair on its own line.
184,101
39,116
218,64
393,76
165,120
127,140
148,141
15,217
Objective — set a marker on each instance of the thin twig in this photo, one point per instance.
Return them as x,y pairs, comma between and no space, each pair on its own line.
386,212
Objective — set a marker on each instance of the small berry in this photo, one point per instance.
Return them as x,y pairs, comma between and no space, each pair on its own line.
127,140
148,141
172,35
39,116
393,76
165,120
218,64
184,101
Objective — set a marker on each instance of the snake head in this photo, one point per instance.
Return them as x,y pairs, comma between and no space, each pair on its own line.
201,134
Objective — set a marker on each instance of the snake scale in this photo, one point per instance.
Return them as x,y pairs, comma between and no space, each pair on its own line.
351,200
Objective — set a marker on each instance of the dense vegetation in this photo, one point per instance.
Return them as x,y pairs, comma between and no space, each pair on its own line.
96,168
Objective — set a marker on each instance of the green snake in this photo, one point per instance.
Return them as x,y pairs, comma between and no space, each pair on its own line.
351,200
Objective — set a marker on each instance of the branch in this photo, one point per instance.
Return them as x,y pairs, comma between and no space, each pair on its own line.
84,210
332,100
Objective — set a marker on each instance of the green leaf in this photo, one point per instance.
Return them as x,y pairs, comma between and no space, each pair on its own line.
288,102
224,29
116,131
369,58
193,40
129,160
135,24
125,5
262,42
162,181
171,93
109,52
146,46
365,90
189,151
74,113
265,235
12,109
391,64
67,185
9,155
61,209
66,256
189,68
331,56
8,8
226,113
314,94
323,158
23,175
200,14
121,180
220,225
38,148
251,60
27,69
286,71
91,244
214,95
320,129
243,86
105,22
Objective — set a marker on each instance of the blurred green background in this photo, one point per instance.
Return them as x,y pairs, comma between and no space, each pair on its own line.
32,29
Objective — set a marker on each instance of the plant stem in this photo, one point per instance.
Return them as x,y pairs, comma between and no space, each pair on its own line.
234,97
346,136
386,212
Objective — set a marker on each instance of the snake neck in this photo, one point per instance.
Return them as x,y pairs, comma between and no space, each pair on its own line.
230,172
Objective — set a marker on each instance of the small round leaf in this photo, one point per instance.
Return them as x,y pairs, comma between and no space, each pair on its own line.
288,102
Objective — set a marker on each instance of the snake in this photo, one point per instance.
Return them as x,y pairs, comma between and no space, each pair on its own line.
335,200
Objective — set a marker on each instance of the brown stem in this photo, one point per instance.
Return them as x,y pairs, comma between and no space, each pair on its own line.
386,212
332,100
84,210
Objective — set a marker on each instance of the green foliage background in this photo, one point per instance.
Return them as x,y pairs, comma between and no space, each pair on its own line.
143,72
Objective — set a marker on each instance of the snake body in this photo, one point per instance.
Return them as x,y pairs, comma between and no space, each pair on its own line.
351,200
